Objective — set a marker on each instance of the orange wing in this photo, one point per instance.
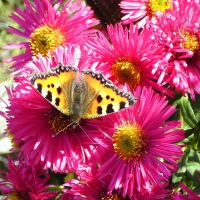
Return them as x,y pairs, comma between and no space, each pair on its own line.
56,85
108,98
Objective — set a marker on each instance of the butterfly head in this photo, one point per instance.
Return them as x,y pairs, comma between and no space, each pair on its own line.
74,125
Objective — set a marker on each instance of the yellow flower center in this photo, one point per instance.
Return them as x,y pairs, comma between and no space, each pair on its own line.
45,39
16,195
191,41
158,5
110,197
126,71
129,141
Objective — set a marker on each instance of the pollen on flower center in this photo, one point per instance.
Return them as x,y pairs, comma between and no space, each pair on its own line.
16,195
59,122
126,71
45,39
158,5
110,197
129,141
191,41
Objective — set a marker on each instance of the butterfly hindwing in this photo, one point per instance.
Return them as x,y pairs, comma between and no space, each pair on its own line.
56,85
108,98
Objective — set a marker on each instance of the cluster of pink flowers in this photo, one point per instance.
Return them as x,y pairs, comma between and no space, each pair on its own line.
131,154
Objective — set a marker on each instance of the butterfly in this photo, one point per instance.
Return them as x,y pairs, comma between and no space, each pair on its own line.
80,95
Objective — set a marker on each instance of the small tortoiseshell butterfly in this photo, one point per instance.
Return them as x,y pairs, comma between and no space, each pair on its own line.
80,95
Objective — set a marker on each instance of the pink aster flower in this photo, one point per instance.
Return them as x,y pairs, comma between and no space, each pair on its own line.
128,55
136,10
89,187
181,37
23,180
47,26
32,121
140,154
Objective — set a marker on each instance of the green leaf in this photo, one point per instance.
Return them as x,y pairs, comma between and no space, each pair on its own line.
195,104
195,143
178,175
197,189
187,114
189,134
188,171
192,171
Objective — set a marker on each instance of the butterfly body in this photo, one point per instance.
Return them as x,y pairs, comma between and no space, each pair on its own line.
80,95
80,99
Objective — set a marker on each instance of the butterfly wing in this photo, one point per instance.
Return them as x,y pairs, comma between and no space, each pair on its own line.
106,98
56,86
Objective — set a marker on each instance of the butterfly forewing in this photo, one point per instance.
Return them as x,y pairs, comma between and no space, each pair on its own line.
54,84
107,99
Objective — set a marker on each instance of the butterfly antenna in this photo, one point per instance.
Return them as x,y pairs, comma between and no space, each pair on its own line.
70,125
86,134
62,130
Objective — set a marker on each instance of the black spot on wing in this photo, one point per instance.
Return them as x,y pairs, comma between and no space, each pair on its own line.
99,98
128,95
122,104
49,96
57,102
48,86
110,108
52,85
107,97
39,87
59,90
99,110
